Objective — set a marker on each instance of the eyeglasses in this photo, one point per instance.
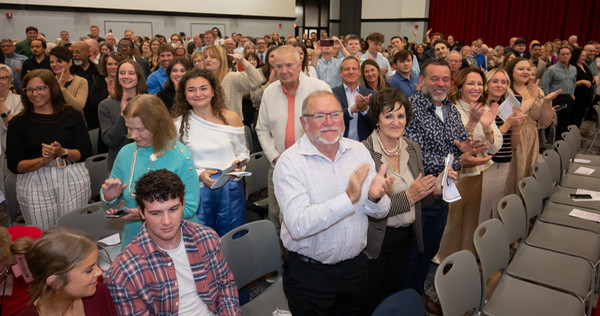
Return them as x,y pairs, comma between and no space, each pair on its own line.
39,89
124,46
320,117
4,77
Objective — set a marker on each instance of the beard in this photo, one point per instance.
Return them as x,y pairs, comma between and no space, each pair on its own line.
77,62
317,137
429,94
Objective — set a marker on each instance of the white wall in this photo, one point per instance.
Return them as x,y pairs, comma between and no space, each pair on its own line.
397,9
382,9
78,23
281,8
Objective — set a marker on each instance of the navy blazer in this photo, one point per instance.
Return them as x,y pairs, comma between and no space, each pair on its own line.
364,126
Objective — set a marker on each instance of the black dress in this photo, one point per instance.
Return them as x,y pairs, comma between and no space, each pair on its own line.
583,96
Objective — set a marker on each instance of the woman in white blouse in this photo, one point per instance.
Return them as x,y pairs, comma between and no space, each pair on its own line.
215,136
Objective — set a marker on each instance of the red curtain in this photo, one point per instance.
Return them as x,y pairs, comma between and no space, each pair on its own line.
496,21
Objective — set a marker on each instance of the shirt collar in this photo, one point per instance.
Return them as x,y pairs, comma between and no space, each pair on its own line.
306,148
148,246
346,88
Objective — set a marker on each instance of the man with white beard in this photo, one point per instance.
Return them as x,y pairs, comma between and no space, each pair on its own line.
82,66
327,187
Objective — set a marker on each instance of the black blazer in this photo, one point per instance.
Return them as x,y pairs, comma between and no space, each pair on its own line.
364,126
144,64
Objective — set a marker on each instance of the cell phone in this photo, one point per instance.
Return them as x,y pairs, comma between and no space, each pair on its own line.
119,213
561,107
326,43
580,196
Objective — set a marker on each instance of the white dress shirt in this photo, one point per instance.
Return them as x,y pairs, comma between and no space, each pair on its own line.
318,219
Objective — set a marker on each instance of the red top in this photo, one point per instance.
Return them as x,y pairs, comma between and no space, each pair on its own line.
99,304
16,301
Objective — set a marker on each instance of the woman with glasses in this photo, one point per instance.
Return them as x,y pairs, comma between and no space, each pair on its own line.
216,138
46,147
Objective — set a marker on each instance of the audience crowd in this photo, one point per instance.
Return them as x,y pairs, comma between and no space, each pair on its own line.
356,133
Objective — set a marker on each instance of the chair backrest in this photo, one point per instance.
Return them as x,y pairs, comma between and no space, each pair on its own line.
491,244
575,130
572,142
251,251
403,303
98,169
458,283
552,158
94,134
531,196
512,213
10,185
90,219
249,138
541,172
259,166
565,154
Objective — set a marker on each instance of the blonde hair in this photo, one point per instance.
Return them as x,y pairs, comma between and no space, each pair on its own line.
156,119
219,53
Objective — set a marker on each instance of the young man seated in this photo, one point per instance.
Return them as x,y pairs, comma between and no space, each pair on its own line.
173,266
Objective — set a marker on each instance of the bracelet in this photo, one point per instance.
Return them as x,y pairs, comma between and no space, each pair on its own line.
518,133
490,132
503,130
410,200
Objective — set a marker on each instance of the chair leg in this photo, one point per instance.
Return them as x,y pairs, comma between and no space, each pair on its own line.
592,143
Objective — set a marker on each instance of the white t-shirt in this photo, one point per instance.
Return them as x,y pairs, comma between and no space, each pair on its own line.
189,301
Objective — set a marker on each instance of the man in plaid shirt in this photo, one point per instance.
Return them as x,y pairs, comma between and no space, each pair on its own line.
173,266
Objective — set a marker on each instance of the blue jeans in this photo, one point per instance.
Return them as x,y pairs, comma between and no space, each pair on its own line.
433,222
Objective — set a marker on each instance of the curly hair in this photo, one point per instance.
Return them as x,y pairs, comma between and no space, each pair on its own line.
182,107
170,187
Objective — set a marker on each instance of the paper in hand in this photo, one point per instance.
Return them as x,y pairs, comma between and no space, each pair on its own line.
506,108
225,176
449,191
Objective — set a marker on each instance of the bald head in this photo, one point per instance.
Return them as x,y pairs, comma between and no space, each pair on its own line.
81,53
590,51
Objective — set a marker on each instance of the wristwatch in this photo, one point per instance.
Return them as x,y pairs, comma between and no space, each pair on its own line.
65,155
5,114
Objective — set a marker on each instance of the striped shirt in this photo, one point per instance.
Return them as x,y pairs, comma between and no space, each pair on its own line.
142,279
505,152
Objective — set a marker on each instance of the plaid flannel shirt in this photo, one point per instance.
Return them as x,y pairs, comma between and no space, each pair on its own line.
142,279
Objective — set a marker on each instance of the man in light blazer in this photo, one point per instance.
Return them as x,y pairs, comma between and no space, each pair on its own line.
354,100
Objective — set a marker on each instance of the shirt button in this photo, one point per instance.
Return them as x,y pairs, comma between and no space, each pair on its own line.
176,283
169,264
176,303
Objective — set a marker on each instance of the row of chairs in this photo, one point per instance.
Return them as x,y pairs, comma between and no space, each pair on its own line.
554,269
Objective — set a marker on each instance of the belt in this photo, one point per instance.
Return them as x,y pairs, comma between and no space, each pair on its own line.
303,258
58,163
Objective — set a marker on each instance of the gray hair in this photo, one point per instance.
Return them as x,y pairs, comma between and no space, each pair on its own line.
287,49
8,71
314,95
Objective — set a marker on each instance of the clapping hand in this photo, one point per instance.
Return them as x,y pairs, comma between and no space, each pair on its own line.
380,184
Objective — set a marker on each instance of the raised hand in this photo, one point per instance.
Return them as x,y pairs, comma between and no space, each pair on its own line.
355,182
489,116
380,184
112,188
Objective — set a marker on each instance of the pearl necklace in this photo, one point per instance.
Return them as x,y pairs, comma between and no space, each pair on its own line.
394,152
152,159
